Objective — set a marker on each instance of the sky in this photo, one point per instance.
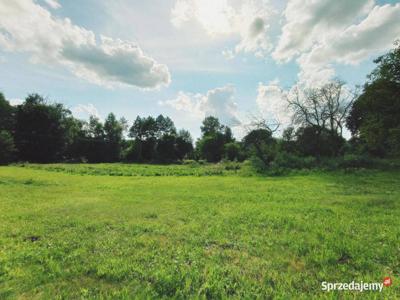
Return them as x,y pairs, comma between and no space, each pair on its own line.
188,58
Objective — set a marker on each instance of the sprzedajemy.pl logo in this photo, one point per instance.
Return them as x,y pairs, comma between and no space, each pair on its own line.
356,286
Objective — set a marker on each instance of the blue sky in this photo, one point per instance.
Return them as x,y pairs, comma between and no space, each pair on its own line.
187,58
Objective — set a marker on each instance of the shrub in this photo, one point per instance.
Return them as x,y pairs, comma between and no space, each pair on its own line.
258,165
233,151
357,161
231,165
291,161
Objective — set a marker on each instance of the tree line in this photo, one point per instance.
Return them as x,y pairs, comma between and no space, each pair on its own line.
43,132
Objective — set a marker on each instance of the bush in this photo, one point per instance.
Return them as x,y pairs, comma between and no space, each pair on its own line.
233,152
231,165
258,165
357,161
290,161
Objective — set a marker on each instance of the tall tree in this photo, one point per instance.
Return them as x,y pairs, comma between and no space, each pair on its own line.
261,144
7,147
165,126
41,130
211,125
7,124
323,108
6,114
113,130
215,136
184,144
374,117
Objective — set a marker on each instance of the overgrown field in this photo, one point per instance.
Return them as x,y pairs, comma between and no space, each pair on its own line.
72,231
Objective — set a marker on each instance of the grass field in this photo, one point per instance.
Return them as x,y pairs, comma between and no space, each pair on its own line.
72,231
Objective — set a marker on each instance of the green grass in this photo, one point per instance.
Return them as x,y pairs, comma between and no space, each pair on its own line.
191,169
140,233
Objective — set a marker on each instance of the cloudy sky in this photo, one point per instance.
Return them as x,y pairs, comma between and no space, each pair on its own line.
187,58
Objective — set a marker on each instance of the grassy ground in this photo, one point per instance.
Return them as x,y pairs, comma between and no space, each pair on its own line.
67,234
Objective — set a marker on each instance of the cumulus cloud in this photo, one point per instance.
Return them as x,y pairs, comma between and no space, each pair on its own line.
272,103
322,33
309,22
54,4
247,20
218,102
373,34
28,27
85,111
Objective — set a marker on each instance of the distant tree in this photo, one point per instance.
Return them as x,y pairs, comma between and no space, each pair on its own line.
77,141
233,151
210,126
164,126
261,144
318,142
143,128
166,151
41,133
113,131
7,126
288,142
184,144
214,137
95,128
155,139
144,131
211,147
228,135
324,108
6,115
375,115
166,139
93,138
7,147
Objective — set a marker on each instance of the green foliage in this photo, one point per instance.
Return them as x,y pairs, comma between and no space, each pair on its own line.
184,144
6,114
211,126
188,168
113,133
7,147
41,133
157,140
104,237
374,116
290,161
166,148
316,141
233,151
211,146
261,146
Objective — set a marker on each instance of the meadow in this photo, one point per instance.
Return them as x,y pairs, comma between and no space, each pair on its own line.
121,231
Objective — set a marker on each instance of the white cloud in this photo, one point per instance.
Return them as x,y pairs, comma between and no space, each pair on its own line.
357,42
310,22
247,20
28,27
218,102
85,111
272,103
373,34
54,4
322,33
16,101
